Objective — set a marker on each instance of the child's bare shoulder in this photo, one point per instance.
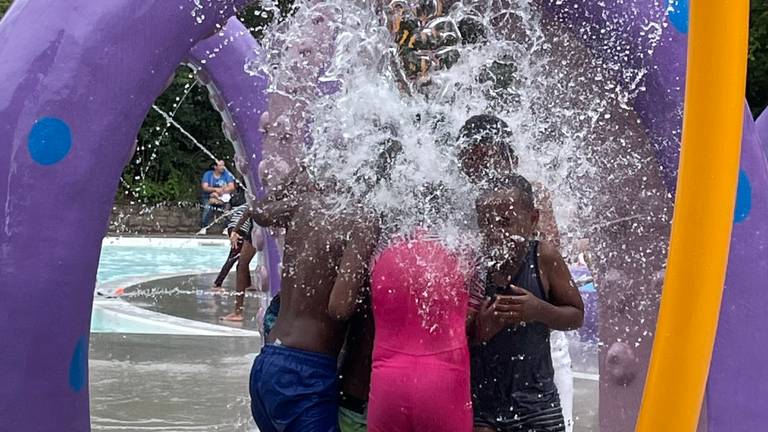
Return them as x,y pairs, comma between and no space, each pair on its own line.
549,255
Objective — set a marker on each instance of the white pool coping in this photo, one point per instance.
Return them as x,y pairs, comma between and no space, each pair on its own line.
180,242
119,313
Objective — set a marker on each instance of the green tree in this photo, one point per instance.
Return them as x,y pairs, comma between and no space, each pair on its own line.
4,5
168,164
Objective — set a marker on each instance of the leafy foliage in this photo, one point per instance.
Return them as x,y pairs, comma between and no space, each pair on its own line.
168,165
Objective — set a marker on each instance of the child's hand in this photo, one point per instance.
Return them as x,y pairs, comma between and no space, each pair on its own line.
233,239
520,307
489,320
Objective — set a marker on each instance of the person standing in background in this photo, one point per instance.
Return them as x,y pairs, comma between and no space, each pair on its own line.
237,212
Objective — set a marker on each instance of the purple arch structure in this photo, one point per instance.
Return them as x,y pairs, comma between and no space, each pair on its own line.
79,82
79,79
241,99
761,128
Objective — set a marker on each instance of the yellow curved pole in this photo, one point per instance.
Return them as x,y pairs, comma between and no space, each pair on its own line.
703,217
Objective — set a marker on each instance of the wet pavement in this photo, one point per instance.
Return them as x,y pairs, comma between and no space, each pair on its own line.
142,382
170,383
191,297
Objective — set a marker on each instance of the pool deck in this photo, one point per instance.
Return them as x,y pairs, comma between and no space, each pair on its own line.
192,374
190,297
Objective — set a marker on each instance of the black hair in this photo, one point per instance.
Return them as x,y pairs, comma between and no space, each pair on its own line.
484,127
472,30
487,129
238,196
512,181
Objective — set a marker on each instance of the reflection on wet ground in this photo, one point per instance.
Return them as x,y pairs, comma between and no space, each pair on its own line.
191,297
200,383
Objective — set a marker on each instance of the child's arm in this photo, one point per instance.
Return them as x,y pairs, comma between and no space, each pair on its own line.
235,235
353,270
483,320
240,222
564,297
297,181
565,308
268,213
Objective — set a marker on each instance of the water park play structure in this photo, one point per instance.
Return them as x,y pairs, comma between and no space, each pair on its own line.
80,77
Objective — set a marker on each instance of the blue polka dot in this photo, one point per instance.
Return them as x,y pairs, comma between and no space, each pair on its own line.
743,198
677,11
49,140
78,366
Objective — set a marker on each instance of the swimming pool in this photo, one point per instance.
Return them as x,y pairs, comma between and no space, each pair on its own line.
161,372
128,261
127,257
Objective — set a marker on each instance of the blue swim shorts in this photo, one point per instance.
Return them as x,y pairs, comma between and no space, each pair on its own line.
294,390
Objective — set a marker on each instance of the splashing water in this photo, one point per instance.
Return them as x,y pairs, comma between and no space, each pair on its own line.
557,98
347,91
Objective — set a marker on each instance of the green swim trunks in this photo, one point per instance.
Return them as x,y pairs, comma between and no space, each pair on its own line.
350,421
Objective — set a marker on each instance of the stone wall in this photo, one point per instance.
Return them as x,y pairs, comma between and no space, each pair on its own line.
162,219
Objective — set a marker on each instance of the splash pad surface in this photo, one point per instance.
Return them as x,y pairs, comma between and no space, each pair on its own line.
44,118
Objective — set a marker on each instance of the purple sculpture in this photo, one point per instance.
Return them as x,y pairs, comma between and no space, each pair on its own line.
78,80
241,99
761,128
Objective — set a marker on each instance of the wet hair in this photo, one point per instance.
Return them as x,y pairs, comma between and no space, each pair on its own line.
391,151
484,127
472,30
487,129
512,181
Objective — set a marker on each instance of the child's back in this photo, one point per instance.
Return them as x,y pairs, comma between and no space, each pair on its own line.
294,381
315,241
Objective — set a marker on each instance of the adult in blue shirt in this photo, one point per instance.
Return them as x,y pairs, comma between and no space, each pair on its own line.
217,185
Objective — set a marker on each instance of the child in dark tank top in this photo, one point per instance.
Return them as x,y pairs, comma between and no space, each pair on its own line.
530,292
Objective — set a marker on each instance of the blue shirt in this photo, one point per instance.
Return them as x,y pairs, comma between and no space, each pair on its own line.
216,182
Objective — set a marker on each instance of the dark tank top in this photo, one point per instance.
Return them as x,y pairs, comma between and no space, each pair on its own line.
512,374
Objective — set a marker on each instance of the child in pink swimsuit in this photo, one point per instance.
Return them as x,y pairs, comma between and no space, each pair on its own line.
420,378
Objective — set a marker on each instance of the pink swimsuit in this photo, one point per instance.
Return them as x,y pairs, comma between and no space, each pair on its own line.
420,378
